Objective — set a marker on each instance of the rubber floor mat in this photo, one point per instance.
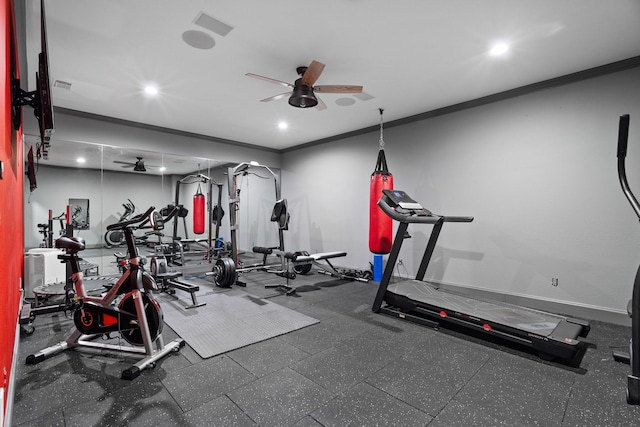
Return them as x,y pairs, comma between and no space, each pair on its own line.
229,320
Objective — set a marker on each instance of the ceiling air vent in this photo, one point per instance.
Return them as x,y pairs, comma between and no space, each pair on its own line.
62,85
212,24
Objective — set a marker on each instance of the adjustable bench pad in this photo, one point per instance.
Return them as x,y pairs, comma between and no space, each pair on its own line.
318,257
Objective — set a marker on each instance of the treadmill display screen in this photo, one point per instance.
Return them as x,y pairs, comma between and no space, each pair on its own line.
402,199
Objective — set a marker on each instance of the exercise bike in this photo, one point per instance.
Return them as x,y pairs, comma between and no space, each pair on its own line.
115,236
633,308
46,229
127,308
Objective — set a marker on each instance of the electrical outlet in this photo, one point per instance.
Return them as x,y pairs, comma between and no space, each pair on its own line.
554,282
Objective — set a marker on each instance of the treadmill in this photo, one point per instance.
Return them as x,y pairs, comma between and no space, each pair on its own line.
551,336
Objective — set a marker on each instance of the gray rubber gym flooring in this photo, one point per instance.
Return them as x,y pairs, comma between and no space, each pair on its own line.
228,320
353,368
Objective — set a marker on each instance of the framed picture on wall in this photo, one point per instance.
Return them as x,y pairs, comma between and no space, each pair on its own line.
79,212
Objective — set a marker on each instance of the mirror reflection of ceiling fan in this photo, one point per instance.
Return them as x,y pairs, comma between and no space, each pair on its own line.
138,166
302,93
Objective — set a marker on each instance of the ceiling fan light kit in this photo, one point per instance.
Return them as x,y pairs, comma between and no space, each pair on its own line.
302,96
302,93
139,167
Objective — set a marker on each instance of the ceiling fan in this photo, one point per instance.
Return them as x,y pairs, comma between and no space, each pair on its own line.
138,166
302,93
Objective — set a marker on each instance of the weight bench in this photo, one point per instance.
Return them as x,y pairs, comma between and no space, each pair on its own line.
181,247
301,263
304,260
168,282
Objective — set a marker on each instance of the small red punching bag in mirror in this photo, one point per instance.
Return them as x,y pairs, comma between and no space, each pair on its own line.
198,212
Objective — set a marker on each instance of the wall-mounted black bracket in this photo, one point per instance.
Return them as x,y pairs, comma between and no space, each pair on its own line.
20,97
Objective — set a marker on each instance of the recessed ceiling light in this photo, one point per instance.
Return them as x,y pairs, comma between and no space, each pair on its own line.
282,125
345,102
81,160
150,90
198,39
162,168
499,49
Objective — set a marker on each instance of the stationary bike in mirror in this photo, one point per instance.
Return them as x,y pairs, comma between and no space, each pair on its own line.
127,308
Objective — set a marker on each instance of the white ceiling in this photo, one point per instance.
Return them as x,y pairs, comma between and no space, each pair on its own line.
411,57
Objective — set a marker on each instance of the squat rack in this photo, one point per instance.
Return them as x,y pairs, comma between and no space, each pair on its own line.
234,202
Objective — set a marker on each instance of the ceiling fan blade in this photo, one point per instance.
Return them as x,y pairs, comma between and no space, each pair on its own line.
338,89
124,163
268,79
313,73
276,97
321,105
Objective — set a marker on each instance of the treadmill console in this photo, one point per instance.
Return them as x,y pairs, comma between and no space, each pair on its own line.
402,203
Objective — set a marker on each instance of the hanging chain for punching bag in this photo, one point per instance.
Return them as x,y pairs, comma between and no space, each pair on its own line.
198,212
381,140
380,225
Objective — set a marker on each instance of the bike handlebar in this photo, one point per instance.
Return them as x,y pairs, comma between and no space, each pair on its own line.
138,219
173,213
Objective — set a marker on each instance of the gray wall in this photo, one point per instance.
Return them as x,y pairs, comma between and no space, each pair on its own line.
538,173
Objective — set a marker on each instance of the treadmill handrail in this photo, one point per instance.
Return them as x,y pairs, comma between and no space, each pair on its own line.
419,219
623,136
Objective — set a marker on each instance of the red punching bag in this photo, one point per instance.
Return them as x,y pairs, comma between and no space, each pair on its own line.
380,225
198,212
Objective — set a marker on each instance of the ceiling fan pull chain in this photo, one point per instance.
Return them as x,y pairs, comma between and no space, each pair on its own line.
381,131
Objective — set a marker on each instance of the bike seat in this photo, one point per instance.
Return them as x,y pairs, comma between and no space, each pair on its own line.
72,244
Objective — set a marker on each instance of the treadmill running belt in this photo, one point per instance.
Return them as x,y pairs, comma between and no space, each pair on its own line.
537,322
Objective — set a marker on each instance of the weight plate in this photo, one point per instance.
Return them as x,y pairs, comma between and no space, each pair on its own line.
225,272
302,268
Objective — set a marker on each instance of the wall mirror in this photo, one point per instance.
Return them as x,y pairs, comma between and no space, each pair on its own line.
107,181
